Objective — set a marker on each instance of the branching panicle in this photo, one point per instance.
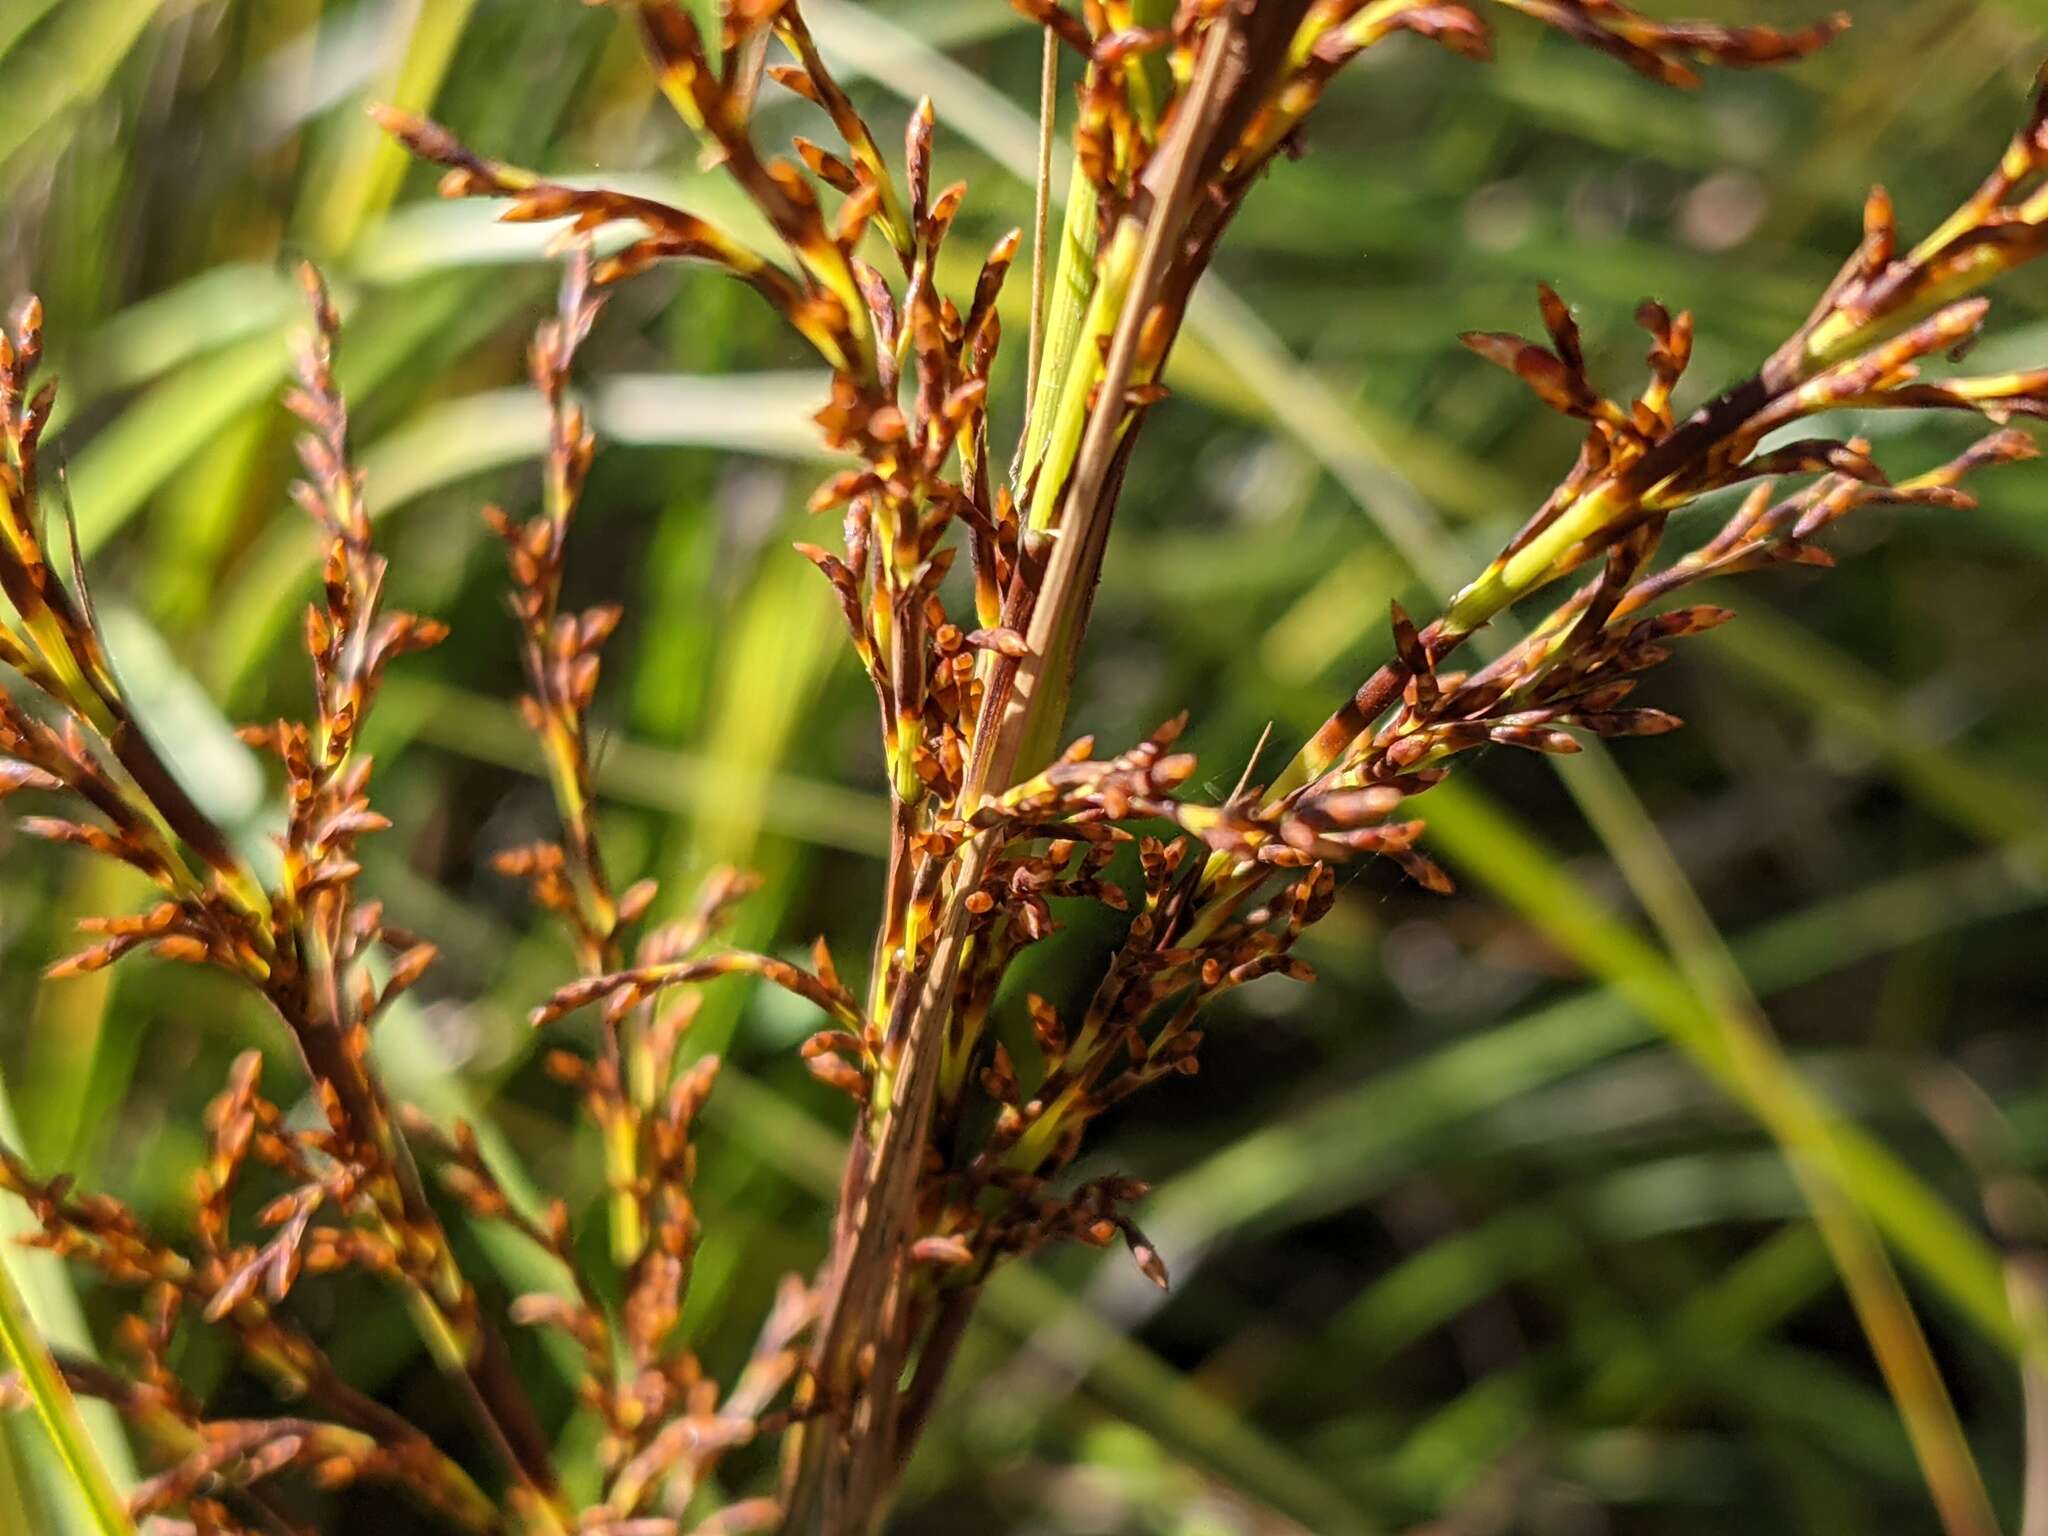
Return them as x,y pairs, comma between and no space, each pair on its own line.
305,944
1175,123
963,1146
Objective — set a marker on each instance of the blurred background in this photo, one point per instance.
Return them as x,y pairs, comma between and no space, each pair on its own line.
1462,1238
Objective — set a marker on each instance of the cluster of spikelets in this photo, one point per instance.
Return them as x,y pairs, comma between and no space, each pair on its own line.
982,842
959,1144
346,1193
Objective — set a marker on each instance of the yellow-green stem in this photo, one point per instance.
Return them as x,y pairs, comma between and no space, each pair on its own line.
1073,285
1071,386
58,1411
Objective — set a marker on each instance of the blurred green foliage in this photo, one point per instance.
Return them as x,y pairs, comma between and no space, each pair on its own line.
1456,1234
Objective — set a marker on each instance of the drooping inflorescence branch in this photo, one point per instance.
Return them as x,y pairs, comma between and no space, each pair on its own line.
1864,347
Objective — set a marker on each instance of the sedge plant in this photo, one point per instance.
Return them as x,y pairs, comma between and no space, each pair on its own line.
961,1148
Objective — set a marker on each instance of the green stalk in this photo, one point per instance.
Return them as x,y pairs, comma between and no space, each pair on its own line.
369,167
622,1164
1501,854
58,1411
1807,1132
1073,285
